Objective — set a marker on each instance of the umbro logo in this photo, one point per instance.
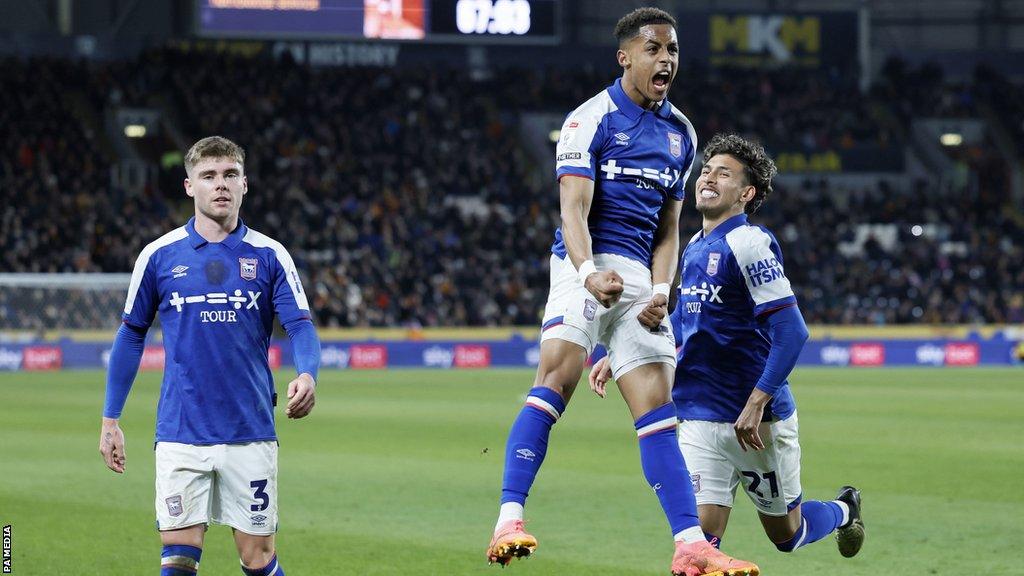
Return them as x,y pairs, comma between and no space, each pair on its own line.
179,271
525,454
622,138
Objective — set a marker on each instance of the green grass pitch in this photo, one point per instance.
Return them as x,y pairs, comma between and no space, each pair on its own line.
399,473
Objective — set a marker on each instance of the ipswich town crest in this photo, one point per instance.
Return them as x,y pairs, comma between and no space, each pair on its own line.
248,268
174,507
713,259
675,144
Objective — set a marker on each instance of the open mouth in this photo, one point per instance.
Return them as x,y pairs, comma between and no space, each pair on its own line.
708,193
662,79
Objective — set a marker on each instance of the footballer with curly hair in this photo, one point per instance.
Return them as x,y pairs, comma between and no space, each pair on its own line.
739,332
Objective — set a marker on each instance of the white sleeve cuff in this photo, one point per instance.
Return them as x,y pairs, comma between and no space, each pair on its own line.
585,270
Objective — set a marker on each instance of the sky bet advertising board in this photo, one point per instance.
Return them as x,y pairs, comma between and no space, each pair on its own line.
521,353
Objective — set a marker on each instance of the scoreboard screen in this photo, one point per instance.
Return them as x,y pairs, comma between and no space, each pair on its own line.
488,21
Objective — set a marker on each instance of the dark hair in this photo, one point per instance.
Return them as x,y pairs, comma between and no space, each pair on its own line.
630,24
758,166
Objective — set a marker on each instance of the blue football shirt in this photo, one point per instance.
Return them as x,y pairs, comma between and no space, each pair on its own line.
216,302
637,158
729,280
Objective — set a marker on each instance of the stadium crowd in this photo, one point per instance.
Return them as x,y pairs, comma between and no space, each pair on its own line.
408,198
57,207
885,256
788,108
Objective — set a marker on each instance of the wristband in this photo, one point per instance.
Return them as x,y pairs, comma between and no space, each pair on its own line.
585,270
662,288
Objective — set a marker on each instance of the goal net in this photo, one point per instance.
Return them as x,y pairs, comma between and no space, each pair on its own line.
36,302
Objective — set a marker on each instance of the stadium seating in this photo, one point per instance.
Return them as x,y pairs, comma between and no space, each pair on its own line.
408,198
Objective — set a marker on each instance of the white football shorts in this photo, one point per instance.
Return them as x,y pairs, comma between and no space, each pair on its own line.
231,484
573,314
717,464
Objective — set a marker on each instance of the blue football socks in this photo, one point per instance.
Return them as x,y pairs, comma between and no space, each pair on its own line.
818,519
666,471
180,560
528,442
271,569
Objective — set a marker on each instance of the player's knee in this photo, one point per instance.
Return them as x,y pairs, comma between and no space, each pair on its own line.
191,536
256,553
256,559
790,545
560,380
